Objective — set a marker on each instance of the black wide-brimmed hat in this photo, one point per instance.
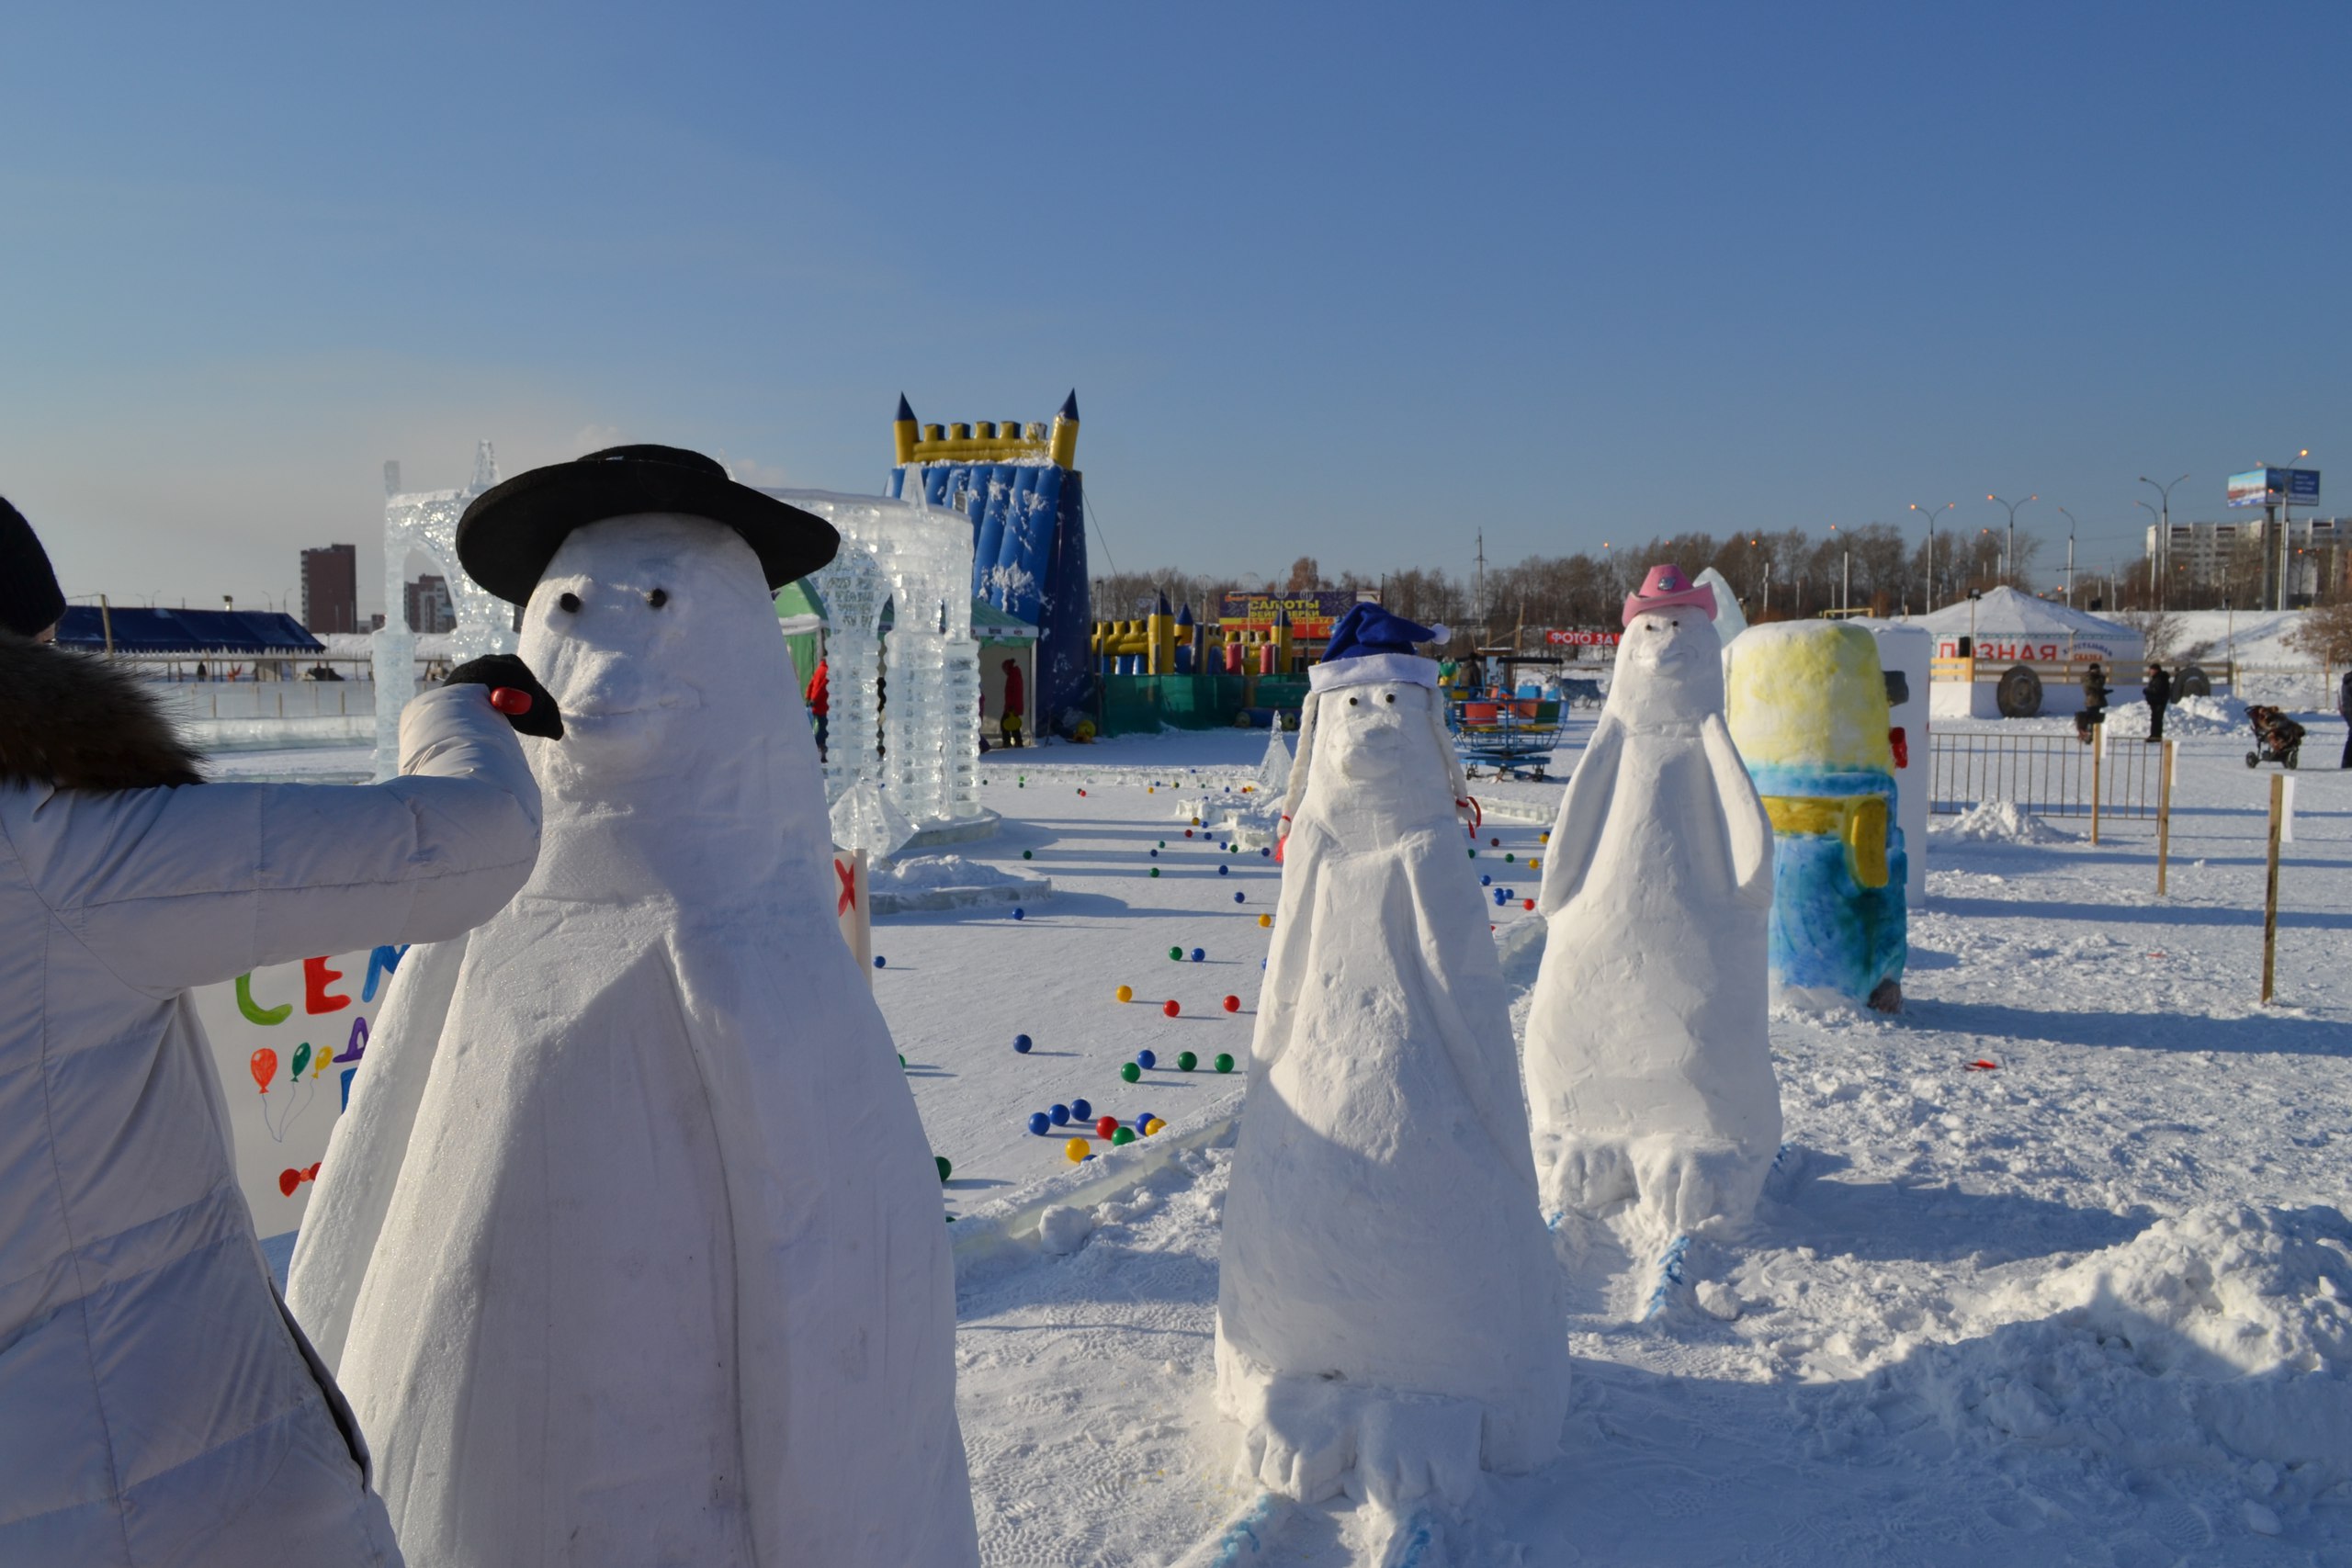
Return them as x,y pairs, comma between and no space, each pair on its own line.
512,530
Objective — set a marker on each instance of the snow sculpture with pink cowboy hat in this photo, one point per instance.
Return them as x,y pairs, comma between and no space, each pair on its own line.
1648,1069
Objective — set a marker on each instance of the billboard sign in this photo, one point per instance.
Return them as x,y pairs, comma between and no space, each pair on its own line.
1582,636
2275,486
1311,611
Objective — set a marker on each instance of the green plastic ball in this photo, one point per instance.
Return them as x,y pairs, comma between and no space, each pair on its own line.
941,1160
1177,954
1130,1072
1223,1062
1124,1135
1186,1061
1155,870
1028,854
1508,859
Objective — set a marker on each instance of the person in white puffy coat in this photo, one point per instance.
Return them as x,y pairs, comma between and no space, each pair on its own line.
156,1404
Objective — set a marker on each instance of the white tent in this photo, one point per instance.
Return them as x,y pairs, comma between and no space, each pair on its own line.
2017,628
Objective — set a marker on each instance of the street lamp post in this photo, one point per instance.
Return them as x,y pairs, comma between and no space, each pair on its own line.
2070,556
1930,513
2009,556
2156,598
2159,558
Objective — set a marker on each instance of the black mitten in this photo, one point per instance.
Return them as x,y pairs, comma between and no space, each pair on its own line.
514,691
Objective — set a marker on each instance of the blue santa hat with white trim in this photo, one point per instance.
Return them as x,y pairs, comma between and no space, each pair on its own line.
1372,644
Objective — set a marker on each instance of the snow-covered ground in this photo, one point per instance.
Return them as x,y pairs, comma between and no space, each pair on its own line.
2054,1269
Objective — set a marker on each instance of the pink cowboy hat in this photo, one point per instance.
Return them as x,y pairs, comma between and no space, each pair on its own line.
1666,585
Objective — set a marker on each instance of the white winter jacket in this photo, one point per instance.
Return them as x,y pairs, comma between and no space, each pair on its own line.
156,1406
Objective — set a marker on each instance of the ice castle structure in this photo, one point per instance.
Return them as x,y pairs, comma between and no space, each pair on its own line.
920,745
425,522
1019,487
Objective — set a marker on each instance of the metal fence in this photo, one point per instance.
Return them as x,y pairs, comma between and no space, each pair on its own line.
2049,775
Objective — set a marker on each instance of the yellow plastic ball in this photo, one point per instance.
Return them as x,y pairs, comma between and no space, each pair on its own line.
1152,1126
1076,1149
1126,992
1544,838
1265,920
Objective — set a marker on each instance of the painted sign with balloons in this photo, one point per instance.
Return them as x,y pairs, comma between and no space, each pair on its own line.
288,1041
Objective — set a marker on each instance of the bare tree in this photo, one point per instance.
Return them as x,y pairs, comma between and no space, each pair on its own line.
1304,575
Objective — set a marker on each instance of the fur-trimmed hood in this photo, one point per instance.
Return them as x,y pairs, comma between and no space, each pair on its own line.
70,721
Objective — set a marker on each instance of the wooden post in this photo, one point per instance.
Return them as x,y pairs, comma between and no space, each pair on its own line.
2099,749
2164,817
2270,888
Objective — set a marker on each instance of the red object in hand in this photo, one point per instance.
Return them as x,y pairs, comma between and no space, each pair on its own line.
1169,1006
1108,1126
510,701
1233,1004
1901,746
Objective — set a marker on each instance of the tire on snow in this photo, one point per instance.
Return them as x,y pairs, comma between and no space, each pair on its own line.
2018,696
2191,681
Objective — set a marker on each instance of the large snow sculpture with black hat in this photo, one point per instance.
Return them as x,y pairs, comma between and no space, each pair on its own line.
1389,1315
1649,1072
629,1248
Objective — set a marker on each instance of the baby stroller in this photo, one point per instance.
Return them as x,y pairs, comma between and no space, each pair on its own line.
2277,738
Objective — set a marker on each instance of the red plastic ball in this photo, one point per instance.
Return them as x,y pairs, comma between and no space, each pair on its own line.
1527,903
1188,832
1169,1006
1233,1004
1108,1126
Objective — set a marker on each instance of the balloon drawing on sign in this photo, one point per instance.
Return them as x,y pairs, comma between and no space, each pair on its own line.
263,1065
290,1179
279,1112
301,1058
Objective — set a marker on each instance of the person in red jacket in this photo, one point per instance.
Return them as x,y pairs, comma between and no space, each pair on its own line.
818,703
1015,704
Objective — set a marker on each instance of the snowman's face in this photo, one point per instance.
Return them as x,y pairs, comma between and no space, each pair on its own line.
1669,668
1366,733
635,629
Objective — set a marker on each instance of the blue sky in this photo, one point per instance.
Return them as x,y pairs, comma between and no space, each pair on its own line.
1349,282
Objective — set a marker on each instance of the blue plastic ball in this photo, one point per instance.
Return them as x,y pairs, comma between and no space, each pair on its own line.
1486,881
1040,1123
1224,871
1155,854
1238,897
1200,954
1019,913
1081,1112
1146,1119
1060,1115
879,961
1498,897
1021,1043
1265,851
1145,1059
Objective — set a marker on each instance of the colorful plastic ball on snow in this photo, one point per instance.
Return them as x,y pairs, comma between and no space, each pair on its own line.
1186,1061
1233,1004
1265,851
1484,880
1081,1112
1223,1062
1081,792
1152,1127
1176,955
944,1168
1224,871
1154,854
1108,1126
1238,897
1019,913
1473,854
1498,897
1200,954
1121,1135
1021,1043
879,961
1129,1073
1169,1006
1077,1150
1265,921
1188,832
1126,992
1197,822
1141,1122
1497,844
1155,870
1040,1123
1146,1060
1509,859
1527,903
1163,843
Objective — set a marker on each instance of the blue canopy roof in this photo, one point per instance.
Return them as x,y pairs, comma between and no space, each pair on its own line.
156,630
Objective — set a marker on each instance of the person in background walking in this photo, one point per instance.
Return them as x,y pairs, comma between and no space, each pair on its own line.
818,703
2343,708
2158,693
2094,712
1015,704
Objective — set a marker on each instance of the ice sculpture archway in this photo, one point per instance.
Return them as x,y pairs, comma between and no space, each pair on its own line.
425,522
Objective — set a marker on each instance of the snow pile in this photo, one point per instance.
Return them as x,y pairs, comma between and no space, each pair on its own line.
949,882
2188,717
2003,822
2219,1339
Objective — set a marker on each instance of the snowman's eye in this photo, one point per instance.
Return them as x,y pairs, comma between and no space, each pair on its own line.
657,598
1391,697
568,603
1351,702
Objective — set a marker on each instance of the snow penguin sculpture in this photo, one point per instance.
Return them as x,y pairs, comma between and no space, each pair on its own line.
1649,1072
1389,1314
629,1249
